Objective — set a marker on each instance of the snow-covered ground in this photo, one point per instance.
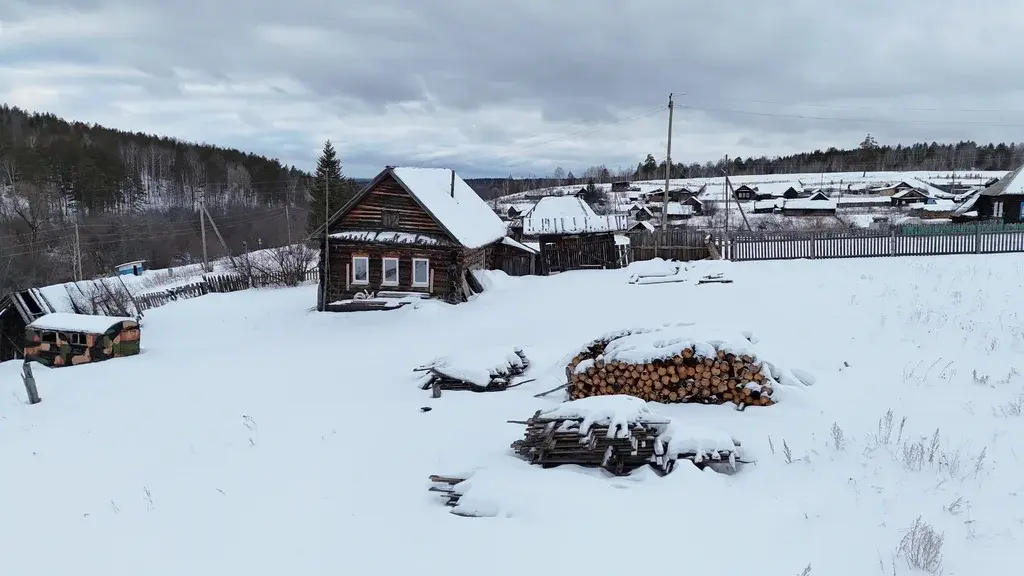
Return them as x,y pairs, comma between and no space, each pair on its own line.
253,436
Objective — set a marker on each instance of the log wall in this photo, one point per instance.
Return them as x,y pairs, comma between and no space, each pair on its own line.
444,266
386,200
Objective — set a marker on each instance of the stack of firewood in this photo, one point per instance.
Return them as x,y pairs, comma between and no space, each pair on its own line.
683,377
553,441
443,374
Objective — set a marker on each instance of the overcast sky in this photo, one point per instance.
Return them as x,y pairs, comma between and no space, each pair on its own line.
492,88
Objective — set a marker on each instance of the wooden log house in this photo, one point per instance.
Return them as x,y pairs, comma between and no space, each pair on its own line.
1003,200
410,233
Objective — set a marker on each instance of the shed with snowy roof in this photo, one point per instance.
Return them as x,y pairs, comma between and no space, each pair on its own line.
571,235
410,233
65,339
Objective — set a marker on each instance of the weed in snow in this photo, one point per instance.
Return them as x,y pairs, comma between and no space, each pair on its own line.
149,499
980,379
838,438
921,547
806,571
786,452
249,423
956,507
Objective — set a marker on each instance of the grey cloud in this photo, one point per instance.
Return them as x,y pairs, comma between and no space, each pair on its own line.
584,64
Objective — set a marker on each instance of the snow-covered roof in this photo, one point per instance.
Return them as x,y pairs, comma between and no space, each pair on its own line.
1009,185
807,204
864,201
562,207
910,192
818,196
68,322
569,215
968,206
944,206
462,212
646,225
778,188
767,204
679,209
509,241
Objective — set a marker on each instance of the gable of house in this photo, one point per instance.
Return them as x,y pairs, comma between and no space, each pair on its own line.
428,201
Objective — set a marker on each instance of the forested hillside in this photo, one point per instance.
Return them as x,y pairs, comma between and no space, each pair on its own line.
132,196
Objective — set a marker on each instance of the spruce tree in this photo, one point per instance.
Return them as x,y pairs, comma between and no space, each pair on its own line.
328,177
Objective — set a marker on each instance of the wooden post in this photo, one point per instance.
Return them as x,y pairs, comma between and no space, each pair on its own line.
30,384
977,237
430,286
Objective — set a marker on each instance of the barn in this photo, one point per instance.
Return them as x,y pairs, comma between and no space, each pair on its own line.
65,339
410,233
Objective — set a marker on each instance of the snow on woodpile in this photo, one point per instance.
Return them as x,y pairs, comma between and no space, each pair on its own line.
619,433
69,322
484,369
679,363
459,209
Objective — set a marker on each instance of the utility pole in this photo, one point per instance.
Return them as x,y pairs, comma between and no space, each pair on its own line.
202,229
725,188
326,280
668,169
288,223
78,255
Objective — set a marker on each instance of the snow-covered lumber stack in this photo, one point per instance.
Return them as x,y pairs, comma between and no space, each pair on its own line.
482,370
675,363
619,434
446,486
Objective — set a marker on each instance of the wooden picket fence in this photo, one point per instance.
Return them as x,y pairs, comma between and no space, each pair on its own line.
223,283
869,243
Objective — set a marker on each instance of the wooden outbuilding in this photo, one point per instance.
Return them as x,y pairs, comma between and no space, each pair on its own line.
410,233
572,236
1004,200
66,339
745,193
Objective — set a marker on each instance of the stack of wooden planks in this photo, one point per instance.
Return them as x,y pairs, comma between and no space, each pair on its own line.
619,449
492,373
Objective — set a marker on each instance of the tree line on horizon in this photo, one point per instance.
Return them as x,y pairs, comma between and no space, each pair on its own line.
124,196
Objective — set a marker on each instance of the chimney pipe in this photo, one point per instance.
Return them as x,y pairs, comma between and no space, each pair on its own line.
453,184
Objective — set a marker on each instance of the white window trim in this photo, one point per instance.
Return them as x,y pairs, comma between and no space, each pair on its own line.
426,281
383,271
997,211
356,280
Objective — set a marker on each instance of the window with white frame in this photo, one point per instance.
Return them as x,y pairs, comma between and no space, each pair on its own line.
420,272
360,270
390,277
997,209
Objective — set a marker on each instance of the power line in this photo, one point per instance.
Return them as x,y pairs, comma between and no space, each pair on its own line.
886,108
115,236
848,119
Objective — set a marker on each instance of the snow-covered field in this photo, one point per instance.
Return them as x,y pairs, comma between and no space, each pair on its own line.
253,436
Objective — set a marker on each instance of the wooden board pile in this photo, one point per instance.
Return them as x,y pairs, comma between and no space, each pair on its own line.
663,365
565,436
445,485
489,370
